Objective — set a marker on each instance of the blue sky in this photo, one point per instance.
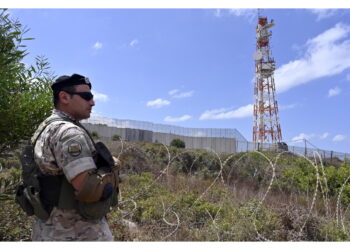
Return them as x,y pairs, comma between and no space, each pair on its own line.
195,67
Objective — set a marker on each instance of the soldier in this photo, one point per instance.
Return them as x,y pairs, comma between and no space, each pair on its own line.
65,151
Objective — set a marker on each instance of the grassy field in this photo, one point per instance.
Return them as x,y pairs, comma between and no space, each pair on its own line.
171,194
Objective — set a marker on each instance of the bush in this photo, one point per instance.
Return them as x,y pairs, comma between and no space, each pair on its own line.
178,143
191,203
116,138
25,93
94,135
15,224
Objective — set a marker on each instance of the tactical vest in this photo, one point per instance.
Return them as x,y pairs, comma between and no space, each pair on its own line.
38,194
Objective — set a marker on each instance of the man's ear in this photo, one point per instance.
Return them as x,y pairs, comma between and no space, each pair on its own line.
64,97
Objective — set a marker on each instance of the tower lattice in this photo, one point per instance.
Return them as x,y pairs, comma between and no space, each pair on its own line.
266,127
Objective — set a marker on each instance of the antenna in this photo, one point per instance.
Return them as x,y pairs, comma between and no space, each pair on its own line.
259,12
266,127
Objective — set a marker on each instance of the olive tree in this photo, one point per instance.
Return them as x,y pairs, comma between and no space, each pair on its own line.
25,95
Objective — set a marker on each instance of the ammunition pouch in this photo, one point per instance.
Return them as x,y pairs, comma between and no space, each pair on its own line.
88,210
29,200
37,203
105,173
22,200
94,186
98,209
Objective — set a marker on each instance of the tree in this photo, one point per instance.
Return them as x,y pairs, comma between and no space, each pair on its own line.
25,94
178,143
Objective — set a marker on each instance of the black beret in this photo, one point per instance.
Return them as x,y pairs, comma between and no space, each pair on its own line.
65,81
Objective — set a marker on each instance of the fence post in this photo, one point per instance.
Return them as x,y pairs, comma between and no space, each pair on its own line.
331,156
305,150
345,159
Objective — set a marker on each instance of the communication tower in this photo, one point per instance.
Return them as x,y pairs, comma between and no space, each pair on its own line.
266,127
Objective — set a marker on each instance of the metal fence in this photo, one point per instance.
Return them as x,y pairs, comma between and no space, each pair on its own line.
242,144
307,150
169,129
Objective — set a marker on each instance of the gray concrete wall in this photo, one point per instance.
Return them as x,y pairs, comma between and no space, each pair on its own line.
219,145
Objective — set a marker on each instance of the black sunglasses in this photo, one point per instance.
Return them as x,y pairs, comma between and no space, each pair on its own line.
85,95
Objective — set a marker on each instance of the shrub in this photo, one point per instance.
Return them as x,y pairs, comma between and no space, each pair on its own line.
94,135
116,138
25,93
15,224
178,143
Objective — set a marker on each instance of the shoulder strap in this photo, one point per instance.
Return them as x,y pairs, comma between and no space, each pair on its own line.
45,124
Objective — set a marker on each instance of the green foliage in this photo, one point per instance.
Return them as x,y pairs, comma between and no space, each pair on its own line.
183,203
94,135
15,225
201,161
333,232
301,176
143,186
178,143
10,163
10,176
25,95
116,137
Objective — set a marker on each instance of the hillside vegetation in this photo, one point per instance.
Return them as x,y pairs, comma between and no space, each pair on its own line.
172,194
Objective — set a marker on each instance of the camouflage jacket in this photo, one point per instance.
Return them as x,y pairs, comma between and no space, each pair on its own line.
65,148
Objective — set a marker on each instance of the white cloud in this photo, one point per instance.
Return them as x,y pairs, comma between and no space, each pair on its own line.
326,55
308,137
324,135
334,92
303,136
225,113
173,91
177,119
250,14
339,138
184,94
99,96
134,42
157,103
324,13
97,45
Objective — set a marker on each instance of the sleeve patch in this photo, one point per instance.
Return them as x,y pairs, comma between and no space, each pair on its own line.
74,148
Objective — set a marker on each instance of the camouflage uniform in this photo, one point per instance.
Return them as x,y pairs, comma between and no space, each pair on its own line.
65,148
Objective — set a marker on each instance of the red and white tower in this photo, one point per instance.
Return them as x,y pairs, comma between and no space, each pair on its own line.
266,128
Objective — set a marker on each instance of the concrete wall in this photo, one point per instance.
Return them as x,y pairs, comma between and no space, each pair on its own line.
219,145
